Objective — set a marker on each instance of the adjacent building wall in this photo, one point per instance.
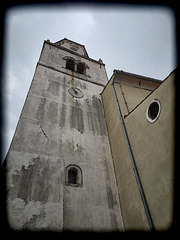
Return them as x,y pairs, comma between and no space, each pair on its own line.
152,145
153,149
132,89
131,205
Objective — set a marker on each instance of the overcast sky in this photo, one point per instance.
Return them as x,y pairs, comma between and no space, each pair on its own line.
139,40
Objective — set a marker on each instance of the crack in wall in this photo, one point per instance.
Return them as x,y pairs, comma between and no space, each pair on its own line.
44,133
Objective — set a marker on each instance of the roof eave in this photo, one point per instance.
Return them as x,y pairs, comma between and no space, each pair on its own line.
136,76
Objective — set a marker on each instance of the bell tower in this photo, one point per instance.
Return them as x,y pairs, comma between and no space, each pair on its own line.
60,173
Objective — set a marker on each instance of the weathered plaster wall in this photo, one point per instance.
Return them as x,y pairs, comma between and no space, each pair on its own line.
35,191
55,130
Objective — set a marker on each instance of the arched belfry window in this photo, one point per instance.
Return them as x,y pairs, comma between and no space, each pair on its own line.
73,176
70,64
76,65
81,68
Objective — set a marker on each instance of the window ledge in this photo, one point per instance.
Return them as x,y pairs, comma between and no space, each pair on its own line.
73,185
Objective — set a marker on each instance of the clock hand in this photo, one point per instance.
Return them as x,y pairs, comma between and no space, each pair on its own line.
75,91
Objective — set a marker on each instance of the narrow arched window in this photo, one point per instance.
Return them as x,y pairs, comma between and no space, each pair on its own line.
70,64
81,68
73,176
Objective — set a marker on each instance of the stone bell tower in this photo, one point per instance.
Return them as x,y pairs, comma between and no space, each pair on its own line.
60,173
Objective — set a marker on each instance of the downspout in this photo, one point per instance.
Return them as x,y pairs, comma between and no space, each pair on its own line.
143,198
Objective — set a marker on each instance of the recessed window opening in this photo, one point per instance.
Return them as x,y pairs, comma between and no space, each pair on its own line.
153,111
70,64
72,176
81,68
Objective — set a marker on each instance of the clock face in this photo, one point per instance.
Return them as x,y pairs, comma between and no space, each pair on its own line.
76,92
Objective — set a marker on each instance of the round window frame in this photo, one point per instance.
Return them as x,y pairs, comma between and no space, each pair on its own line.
148,108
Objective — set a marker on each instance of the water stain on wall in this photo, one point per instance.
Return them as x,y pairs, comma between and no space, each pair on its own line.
62,116
76,117
35,182
53,88
95,116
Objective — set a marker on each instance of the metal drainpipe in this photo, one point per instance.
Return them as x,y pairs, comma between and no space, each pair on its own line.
143,198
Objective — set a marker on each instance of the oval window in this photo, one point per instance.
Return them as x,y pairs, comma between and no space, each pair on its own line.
153,111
